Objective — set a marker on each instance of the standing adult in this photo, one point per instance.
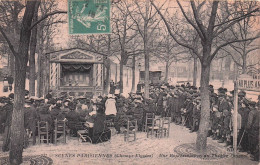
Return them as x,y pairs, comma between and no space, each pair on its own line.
243,136
73,117
112,88
138,113
224,108
253,130
110,106
30,117
10,80
49,95
5,83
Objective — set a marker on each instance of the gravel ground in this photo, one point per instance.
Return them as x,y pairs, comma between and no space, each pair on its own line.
150,151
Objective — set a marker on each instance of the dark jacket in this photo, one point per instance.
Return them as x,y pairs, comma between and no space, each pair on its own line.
30,117
55,112
223,105
9,111
99,120
46,116
244,116
73,116
253,120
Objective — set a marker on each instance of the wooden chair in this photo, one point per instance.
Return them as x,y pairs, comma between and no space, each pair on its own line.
155,129
131,130
105,135
74,126
166,126
109,123
59,129
84,136
149,119
43,132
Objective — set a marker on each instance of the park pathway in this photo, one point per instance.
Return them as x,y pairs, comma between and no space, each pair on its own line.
177,149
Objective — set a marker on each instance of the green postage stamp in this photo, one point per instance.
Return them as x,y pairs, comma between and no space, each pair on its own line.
89,16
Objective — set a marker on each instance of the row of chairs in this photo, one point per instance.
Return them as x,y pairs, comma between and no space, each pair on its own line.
160,127
153,126
45,135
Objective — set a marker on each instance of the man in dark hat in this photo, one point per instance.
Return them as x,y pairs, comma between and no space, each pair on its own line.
55,111
196,114
120,119
30,119
222,106
160,101
252,128
189,109
112,87
243,136
45,115
11,96
241,96
73,117
49,95
10,82
138,113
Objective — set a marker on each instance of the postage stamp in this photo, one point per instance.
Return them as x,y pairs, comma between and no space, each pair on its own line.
89,16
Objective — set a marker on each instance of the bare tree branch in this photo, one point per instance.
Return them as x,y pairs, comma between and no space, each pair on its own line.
233,21
198,21
9,43
189,21
172,35
46,16
227,43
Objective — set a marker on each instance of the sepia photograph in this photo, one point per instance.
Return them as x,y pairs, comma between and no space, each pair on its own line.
129,82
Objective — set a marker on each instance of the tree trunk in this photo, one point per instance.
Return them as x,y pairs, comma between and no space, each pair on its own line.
146,78
33,44
166,72
47,78
116,75
133,75
40,64
17,125
108,67
146,55
107,78
121,85
16,34
227,68
39,76
44,76
12,66
201,142
244,67
195,71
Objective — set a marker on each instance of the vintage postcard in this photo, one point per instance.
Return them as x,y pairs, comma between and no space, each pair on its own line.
149,82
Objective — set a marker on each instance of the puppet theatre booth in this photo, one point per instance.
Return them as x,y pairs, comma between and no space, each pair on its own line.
76,72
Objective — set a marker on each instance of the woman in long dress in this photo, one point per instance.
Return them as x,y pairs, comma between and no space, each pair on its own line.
110,106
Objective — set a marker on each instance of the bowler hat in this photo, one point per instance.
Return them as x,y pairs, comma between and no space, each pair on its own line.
252,103
11,96
242,94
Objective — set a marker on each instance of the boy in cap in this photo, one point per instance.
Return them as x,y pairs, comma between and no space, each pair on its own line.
196,115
